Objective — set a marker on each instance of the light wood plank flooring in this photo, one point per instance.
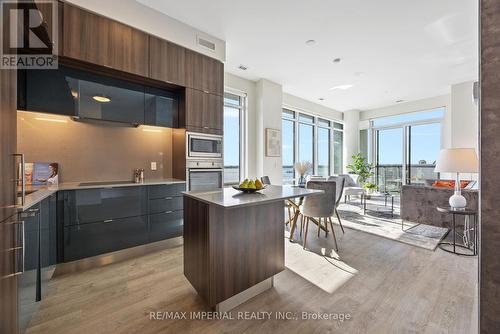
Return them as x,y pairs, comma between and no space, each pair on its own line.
386,287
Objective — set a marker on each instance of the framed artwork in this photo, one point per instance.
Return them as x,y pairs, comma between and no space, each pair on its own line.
273,142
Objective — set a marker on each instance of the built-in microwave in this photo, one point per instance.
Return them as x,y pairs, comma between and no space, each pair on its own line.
202,145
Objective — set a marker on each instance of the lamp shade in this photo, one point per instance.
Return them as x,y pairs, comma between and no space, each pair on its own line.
457,160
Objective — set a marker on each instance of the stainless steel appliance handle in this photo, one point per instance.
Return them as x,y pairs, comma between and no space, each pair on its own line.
22,179
19,261
206,170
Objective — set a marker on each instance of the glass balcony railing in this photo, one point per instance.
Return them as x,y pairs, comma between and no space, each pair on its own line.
389,178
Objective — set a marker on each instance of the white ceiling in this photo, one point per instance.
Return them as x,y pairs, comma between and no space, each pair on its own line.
390,49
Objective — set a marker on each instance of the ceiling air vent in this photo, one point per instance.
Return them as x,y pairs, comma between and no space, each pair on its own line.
206,44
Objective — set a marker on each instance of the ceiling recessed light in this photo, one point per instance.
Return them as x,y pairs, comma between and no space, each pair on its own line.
341,87
321,99
243,67
336,60
399,101
101,98
310,42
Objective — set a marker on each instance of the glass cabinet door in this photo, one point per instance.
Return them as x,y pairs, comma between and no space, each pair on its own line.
107,99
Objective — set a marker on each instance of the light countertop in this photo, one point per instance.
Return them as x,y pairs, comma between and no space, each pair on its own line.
230,198
42,192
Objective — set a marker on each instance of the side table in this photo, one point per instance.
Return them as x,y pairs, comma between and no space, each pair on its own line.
470,247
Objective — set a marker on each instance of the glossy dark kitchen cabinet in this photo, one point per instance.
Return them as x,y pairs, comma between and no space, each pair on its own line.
101,204
166,225
161,191
102,220
162,108
29,291
46,91
81,241
166,204
74,92
108,99
48,242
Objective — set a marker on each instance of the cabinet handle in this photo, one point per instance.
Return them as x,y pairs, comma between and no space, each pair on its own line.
206,92
168,211
22,179
29,213
108,220
168,197
206,127
19,260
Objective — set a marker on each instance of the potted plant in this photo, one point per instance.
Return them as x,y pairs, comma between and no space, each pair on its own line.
302,168
361,167
370,187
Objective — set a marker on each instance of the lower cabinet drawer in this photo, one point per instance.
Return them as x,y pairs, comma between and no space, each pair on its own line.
165,204
81,241
164,190
165,225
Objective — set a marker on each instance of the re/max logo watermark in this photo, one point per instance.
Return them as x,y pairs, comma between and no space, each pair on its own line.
28,34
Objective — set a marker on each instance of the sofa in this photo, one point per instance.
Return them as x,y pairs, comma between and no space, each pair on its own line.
419,202
351,186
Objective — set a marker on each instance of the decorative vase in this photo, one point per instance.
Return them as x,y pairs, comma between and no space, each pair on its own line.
302,181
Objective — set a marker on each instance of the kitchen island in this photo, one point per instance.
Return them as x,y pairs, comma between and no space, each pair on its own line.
234,242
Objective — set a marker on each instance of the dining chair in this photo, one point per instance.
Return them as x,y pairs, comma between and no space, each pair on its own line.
320,207
340,182
290,208
265,180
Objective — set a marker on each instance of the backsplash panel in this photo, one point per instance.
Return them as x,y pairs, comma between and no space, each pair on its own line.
94,152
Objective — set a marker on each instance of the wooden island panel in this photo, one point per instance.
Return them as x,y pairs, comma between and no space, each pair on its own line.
228,250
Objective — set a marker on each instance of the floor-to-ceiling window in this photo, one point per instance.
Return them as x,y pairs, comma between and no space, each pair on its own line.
313,139
288,143
406,148
306,140
338,148
324,147
234,108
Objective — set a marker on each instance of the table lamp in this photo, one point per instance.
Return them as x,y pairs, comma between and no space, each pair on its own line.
457,160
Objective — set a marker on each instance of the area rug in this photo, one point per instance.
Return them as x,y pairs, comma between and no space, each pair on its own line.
383,225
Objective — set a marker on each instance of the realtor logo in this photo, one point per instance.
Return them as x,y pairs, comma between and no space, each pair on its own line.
28,34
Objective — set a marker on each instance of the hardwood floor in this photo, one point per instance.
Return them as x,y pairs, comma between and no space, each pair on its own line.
385,286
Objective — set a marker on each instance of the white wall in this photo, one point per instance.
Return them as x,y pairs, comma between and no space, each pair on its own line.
351,136
265,100
464,116
460,124
247,87
414,106
269,98
298,103
144,18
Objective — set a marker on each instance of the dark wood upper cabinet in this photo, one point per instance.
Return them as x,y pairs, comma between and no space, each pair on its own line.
203,112
50,10
204,73
98,40
167,61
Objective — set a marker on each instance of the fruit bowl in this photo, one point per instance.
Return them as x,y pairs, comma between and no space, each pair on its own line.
248,190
